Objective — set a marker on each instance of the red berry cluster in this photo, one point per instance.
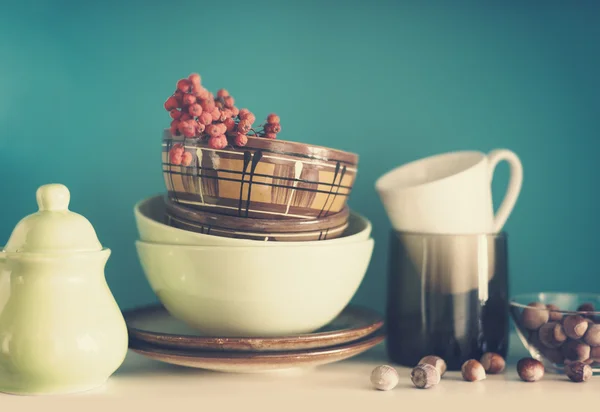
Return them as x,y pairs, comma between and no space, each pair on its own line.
178,155
198,114
272,127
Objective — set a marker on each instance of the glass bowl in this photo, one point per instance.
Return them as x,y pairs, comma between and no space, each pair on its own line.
559,328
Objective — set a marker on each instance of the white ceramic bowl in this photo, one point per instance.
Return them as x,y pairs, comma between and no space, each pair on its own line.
150,220
255,291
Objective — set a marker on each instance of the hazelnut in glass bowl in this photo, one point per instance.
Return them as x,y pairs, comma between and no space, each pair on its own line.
559,328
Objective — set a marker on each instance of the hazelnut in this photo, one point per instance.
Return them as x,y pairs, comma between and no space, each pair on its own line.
554,314
384,378
546,335
586,307
492,363
558,334
553,355
424,376
530,370
592,335
576,351
575,326
578,371
472,371
535,315
436,362
595,354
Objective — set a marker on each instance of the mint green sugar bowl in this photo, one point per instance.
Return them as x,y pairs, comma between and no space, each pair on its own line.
61,330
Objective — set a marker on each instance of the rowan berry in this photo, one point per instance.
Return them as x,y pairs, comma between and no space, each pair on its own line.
171,103
200,92
222,127
243,113
188,128
226,114
213,130
273,118
195,110
184,85
189,99
244,126
205,118
229,124
250,117
194,78
216,114
229,101
217,142
186,159
178,95
240,140
208,105
176,153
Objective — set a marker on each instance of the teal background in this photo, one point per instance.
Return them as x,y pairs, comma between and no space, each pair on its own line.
82,86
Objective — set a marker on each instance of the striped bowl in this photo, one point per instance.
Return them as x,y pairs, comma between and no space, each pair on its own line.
214,230
266,179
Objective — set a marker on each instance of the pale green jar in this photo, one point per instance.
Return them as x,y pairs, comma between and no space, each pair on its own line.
61,330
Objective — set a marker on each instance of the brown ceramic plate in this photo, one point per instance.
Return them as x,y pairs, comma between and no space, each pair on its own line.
256,225
267,179
320,234
155,326
245,362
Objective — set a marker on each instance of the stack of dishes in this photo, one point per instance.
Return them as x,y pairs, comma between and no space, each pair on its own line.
245,267
155,333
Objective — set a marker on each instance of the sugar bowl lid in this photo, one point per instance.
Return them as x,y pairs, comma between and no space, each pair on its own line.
53,228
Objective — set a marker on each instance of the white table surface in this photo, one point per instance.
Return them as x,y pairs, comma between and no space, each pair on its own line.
342,386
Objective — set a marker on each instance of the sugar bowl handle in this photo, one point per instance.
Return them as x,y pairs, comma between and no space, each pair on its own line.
53,197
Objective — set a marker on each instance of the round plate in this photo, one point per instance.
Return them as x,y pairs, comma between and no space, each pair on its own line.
246,362
155,326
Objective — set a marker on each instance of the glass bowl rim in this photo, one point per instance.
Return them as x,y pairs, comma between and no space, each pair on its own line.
492,235
513,301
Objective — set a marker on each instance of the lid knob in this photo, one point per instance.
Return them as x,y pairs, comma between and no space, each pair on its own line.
53,196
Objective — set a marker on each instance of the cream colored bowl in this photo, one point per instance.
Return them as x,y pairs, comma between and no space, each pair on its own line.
255,291
150,220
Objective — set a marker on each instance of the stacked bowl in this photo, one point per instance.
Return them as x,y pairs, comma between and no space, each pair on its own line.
257,241
267,190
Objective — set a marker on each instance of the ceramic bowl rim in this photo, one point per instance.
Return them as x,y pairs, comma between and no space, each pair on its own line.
216,249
